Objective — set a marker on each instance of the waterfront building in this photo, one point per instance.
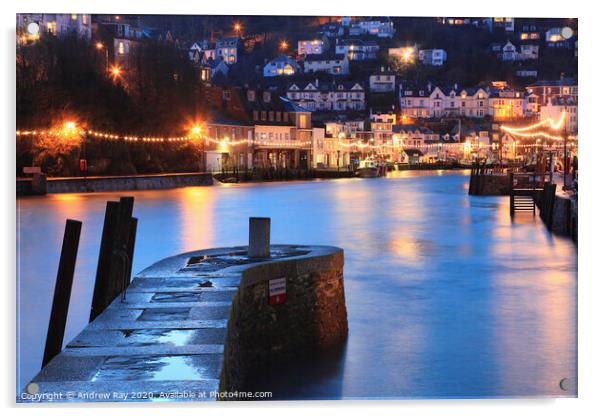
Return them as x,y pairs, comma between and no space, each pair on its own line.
427,101
547,89
345,128
280,66
556,105
507,104
328,96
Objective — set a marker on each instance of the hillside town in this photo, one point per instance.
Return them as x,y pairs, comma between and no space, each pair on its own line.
346,89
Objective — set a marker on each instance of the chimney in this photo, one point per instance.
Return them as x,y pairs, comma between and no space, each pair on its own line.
455,86
317,83
429,86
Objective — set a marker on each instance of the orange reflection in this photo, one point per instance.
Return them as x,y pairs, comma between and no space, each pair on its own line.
196,208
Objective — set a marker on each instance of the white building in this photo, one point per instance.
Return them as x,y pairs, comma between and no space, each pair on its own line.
382,81
432,57
357,49
344,128
554,108
312,47
59,25
226,49
435,102
337,96
280,66
381,27
330,63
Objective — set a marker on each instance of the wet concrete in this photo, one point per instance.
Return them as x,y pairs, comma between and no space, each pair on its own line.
163,341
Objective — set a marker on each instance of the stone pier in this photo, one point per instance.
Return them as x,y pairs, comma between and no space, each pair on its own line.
189,327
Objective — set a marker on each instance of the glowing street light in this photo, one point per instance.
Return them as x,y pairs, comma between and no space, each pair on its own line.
237,28
99,45
284,45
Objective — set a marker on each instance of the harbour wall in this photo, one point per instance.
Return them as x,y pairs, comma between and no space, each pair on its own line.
43,185
313,317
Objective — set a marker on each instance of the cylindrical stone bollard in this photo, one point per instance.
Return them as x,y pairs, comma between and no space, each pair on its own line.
259,237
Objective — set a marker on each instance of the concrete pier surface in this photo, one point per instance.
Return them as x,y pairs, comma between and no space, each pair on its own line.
164,340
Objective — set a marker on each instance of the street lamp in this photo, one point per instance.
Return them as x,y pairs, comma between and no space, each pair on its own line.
284,45
99,47
237,28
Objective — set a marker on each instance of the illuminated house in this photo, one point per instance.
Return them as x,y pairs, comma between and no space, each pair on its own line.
201,51
432,57
357,49
382,81
381,27
226,49
505,23
328,96
280,66
334,64
558,37
544,90
313,46
59,25
256,128
507,104
427,101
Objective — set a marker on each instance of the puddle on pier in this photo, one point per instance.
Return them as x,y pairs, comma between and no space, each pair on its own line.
175,337
173,367
213,263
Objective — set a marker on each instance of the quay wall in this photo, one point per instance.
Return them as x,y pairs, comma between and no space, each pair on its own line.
313,317
116,183
564,217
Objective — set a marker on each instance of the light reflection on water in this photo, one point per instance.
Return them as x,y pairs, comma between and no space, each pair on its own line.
446,295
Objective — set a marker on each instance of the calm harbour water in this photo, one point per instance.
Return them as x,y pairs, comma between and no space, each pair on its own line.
446,296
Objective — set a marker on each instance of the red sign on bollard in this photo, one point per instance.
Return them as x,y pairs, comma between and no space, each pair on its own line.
277,288
83,165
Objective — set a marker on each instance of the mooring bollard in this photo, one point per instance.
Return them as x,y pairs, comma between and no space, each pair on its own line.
62,291
259,237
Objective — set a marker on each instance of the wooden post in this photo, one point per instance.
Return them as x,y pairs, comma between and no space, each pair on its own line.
113,262
104,259
130,249
511,191
62,291
259,237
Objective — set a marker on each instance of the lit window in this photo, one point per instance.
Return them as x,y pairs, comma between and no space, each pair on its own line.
73,17
121,48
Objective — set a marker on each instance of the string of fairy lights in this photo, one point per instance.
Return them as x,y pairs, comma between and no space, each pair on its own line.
73,134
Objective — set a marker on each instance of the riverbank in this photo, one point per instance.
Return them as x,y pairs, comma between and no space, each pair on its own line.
27,186
41,184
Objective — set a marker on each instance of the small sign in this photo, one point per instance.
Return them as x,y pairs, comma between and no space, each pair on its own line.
277,288
32,169
83,165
